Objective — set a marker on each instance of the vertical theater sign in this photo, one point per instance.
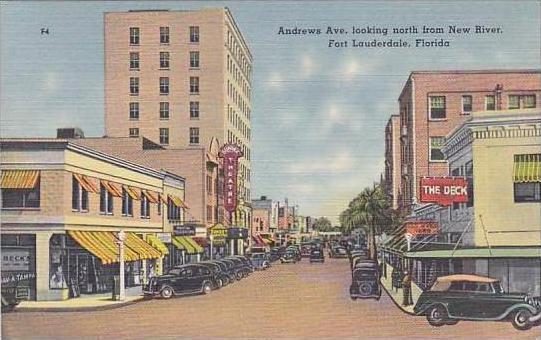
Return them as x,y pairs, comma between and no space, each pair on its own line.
230,153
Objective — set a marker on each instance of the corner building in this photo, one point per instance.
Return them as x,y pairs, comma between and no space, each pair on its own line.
180,79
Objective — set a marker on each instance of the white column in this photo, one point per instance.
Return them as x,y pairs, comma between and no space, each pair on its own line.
121,238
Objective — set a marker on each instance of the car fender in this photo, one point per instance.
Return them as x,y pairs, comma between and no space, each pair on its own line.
205,282
429,304
514,308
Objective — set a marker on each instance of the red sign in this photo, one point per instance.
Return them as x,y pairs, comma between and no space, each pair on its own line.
444,191
421,227
230,154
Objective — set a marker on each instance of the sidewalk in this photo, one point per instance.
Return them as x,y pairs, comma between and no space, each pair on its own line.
397,296
85,303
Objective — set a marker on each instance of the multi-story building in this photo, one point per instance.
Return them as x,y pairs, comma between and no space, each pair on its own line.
261,215
180,79
432,103
63,207
392,159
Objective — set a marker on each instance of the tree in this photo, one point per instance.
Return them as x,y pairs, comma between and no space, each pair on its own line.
323,224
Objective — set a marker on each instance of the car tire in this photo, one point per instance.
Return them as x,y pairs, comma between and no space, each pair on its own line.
365,288
207,288
520,319
239,276
437,316
219,283
166,292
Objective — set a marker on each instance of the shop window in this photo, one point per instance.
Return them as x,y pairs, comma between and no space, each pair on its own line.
79,196
437,107
145,207
58,262
527,192
436,144
127,204
21,198
106,201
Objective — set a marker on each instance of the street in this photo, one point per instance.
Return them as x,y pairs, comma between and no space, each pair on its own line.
287,301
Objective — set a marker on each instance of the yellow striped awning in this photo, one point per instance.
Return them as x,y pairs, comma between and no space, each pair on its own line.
154,241
176,242
145,250
19,179
152,197
89,241
178,202
527,168
194,245
134,193
111,188
187,246
86,183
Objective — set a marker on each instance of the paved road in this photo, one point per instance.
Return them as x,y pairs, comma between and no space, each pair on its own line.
291,300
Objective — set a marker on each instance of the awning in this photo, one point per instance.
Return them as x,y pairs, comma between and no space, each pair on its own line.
176,242
152,197
134,193
178,202
89,241
188,244
157,243
258,242
86,183
112,188
527,168
202,241
163,198
19,179
267,239
145,250
526,252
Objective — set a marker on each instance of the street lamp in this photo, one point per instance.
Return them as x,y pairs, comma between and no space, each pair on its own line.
211,242
121,238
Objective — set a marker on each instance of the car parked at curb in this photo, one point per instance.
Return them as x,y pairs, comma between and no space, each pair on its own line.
182,280
470,297
338,252
365,280
289,257
222,279
260,261
317,256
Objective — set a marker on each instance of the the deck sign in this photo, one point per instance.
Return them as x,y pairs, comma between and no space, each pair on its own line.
444,190
230,153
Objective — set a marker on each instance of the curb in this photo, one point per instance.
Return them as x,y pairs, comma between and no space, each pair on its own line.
396,303
76,309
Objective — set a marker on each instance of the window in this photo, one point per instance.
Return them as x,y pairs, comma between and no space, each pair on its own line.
194,34
164,85
209,213
490,103
164,136
209,185
58,262
134,60
79,196
134,86
106,201
466,104
133,132
514,102
468,169
145,207
437,107
194,85
436,143
134,111
134,35
528,101
164,35
194,110
173,212
164,59
127,203
194,59
21,198
527,192
194,135
164,110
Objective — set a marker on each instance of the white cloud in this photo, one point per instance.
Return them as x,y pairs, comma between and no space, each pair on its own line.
308,66
51,81
339,163
274,81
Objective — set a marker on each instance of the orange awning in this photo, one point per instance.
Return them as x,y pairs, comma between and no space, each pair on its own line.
19,179
134,193
178,202
86,183
151,196
112,188
163,198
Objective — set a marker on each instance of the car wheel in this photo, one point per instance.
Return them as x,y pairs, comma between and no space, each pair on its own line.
437,316
239,276
520,319
365,288
207,288
167,292
219,283
265,265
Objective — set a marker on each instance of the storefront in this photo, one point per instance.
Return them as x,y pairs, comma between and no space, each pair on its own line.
19,266
236,238
217,244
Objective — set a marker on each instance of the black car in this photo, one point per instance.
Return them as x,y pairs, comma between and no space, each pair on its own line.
228,268
365,281
306,248
316,255
471,297
222,279
238,267
289,257
276,253
296,251
338,252
181,280
247,263
260,261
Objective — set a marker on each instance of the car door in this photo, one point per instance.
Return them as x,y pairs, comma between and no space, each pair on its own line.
185,281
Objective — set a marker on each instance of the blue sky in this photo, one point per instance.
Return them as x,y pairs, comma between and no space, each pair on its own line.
318,113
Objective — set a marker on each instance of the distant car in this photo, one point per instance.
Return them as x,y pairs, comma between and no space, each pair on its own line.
260,261
296,251
181,280
229,269
365,281
317,256
338,252
276,253
289,257
471,297
306,248
221,276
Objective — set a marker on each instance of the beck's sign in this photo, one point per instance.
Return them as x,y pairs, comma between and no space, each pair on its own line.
230,154
444,191
421,227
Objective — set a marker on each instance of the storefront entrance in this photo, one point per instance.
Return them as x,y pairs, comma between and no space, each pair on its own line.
19,266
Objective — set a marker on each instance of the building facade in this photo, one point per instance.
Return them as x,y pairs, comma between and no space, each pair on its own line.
432,103
392,159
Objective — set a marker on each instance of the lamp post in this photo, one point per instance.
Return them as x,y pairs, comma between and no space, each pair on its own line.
121,238
211,242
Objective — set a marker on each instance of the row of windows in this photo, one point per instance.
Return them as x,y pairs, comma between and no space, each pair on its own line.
231,138
237,75
163,110
163,85
135,61
238,123
236,51
438,107
135,35
164,135
237,99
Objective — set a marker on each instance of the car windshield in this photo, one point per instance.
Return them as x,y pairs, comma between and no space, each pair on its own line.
174,271
366,273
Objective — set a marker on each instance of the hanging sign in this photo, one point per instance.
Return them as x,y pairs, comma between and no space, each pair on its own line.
230,154
444,190
421,227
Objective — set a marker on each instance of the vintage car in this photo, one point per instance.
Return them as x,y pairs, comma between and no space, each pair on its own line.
289,257
317,256
181,280
247,263
357,257
365,281
229,268
222,279
296,251
9,301
239,267
276,253
260,261
306,248
338,252
471,297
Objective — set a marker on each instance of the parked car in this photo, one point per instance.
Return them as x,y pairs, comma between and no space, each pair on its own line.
471,297
260,261
239,267
276,253
337,252
229,269
296,251
317,256
365,281
9,299
289,257
306,248
247,263
181,280
222,279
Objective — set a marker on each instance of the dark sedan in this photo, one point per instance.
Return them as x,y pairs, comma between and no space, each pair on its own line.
317,256
186,279
365,281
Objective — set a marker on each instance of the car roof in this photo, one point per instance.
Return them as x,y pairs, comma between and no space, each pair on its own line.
466,277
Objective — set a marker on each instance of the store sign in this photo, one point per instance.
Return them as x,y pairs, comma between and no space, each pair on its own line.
444,190
15,260
218,232
237,233
415,228
14,278
164,237
183,230
230,154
